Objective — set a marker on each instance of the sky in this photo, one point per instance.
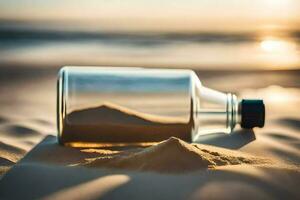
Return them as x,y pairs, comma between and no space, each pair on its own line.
177,15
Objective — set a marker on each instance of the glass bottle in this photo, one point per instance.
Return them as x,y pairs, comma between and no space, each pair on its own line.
108,106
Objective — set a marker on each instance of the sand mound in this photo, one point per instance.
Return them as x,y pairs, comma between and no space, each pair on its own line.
173,156
107,114
116,114
109,123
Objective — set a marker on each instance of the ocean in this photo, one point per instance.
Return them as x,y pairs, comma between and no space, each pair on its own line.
42,47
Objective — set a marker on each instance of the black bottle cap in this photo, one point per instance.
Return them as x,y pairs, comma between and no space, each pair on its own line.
252,113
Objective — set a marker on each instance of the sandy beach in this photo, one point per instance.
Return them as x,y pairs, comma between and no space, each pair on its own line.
260,164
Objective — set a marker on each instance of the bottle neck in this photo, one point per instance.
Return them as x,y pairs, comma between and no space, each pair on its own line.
249,113
233,111
217,112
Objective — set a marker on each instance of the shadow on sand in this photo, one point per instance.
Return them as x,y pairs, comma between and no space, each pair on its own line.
235,140
290,122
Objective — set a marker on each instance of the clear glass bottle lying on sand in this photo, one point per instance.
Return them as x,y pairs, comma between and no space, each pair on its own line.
108,106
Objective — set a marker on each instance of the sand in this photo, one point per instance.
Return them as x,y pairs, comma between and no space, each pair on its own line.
259,164
171,156
112,124
51,171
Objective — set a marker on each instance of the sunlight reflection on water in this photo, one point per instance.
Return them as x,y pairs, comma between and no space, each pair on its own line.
194,50
279,52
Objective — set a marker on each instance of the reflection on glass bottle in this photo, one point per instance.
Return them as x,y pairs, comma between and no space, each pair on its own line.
99,106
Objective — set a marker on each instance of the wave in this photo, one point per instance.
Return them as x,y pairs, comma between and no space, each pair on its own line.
20,33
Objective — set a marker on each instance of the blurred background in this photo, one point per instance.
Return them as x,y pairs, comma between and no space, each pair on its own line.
206,34
249,47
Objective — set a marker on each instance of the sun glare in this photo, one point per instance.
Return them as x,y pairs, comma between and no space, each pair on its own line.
271,45
278,53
